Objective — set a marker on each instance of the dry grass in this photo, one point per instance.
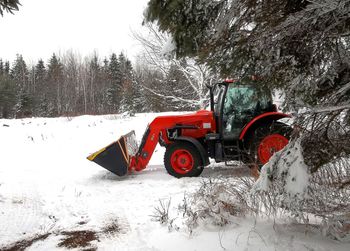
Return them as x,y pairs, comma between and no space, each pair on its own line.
81,239
78,239
111,228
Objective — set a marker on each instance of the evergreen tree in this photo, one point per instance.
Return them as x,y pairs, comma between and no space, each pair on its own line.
115,84
96,88
7,67
131,100
139,103
19,71
106,94
8,92
126,83
40,74
136,100
2,67
9,6
55,83
41,91
8,95
24,102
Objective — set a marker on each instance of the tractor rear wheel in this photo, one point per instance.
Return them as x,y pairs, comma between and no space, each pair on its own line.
267,140
182,159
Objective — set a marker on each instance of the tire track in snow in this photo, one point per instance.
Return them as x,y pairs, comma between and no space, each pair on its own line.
22,213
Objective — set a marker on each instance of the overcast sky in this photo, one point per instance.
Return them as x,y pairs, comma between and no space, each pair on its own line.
42,27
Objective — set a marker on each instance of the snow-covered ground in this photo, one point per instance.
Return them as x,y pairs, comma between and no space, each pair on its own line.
48,186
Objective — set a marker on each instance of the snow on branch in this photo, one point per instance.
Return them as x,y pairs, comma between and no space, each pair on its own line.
287,167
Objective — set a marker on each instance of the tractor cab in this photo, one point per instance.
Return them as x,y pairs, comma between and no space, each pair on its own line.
236,104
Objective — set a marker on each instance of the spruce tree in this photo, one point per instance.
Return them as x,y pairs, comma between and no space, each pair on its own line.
2,67
8,6
24,100
8,92
7,67
139,104
55,84
106,94
115,84
41,90
40,73
97,79
19,71
8,96
131,95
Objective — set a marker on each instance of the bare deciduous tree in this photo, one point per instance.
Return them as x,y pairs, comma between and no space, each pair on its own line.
158,54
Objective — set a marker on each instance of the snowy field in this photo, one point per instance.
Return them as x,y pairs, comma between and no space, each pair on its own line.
48,190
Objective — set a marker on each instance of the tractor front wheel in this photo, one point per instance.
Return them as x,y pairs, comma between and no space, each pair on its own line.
182,159
266,141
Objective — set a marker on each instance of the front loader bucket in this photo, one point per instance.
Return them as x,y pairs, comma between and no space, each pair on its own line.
116,156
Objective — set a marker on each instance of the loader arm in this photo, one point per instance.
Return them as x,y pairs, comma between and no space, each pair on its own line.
123,155
145,152
201,121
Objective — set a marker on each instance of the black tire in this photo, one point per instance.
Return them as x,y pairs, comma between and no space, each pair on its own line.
181,151
254,156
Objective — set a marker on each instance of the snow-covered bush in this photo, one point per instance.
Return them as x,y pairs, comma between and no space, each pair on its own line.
161,212
217,201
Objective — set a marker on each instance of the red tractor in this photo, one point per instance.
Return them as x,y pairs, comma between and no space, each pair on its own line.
242,124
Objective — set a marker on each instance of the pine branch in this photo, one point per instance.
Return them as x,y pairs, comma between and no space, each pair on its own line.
9,6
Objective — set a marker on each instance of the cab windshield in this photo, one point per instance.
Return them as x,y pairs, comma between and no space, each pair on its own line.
246,99
241,104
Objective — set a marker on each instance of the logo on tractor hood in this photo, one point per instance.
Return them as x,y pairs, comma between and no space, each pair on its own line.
206,125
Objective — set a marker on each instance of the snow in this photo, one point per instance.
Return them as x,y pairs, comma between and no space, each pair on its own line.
290,167
48,185
168,48
298,178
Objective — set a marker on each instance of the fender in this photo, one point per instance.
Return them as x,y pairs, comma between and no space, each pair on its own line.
265,116
199,146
